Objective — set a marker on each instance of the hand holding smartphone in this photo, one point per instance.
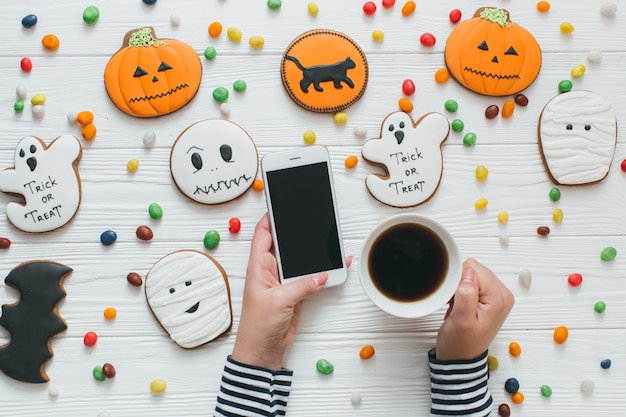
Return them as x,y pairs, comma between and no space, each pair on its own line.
303,214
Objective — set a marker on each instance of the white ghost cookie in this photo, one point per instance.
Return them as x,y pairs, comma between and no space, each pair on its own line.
47,177
411,155
189,295
577,136
214,161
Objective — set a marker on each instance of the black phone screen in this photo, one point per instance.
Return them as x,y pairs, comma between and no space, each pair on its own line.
304,219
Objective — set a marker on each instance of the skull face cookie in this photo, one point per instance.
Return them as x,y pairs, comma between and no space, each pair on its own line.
411,155
214,161
47,177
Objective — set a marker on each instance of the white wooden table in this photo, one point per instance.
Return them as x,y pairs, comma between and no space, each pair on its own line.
337,322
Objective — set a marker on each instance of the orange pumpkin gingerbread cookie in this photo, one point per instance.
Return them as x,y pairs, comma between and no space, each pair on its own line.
491,55
324,71
151,77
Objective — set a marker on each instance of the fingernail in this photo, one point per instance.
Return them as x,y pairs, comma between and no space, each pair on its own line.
468,274
320,279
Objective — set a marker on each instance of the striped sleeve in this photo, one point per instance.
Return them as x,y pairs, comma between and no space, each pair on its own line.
252,391
459,388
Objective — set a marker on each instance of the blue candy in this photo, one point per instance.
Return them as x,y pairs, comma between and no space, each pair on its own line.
108,237
511,385
605,364
29,21
149,1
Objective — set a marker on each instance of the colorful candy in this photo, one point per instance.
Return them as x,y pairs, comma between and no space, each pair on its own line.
511,385
608,9
521,100
158,386
26,64
587,387
622,165
84,117
340,118
517,398
240,86
134,279
90,339
211,239
258,185
566,28
110,313
5,243
578,71
555,194
369,8
515,349
324,367
408,8
543,230
525,278
360,131
605,364
492,111
21,91
108,237
108,370
144,233
88,132
378,35
367,352
481,172
455,16
356,398
408,87
405,105
224,109
149,2
234,34
575,280
91,15
428,39
594,57
557,215
546,391
469,139
565,86
309,137
210,53
351,161
504,410
560,335
458,125
98,374
608,254
451,106
442,75
313,8
53,391
274,4
508,108
220,94
543,6
50,42
149,138
175,20
599,307
18,106
38,98
155,211
132,165
234,225
215,29
29,21
481,203
38,111
256,41
492,363
388,4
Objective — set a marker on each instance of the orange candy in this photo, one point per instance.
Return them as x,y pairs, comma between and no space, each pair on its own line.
258,185
405,105
84,117
442,75
543,6
515,349
408,8
110,313
50,42
215,29
367,352
507,108
351,162
89,131
517,398
560,335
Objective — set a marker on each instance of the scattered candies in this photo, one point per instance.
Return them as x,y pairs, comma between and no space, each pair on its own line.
521,100
158,386
38,98
543,6
608,254
578,71
356,398
50,42
366,352
313,8
21,91
378,35
458,125
220,94
599,307
428,39
503,217
257,185
210,53
108,370
481,203
607,10
324,367
525,278
455,16
504,410
29,21
110,313
492,363
511,385
451,106
565,86
211,239
408,87
555,194
566,28
274,4
507,109
18,106
561,334
256,41
91,15
155,211
557,215
149,2
90,339
587,387
234,225
26,64
408,8
491,112
340,118
309,137
98,374
144,233
224,109
149,138
388,4
623,165
53,391
369,8
481,172
84,117
517,398
240,86
38,111
351,161
594,57
469,139
5,243
504,239
215,29
546,391
543,230
234,34
605,364
405,105
175,19
515,349
360,131
134,279
575,280
132,165
108,237
88,131
442,75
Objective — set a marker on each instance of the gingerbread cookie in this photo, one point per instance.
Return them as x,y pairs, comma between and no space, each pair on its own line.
411,155
151,77
577,136
189,295
33,319
324,70
214,161
47,177
491,55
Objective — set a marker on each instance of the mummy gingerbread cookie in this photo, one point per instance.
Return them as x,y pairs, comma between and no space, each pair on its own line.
47,177
411,155
189,295
577,136
214,161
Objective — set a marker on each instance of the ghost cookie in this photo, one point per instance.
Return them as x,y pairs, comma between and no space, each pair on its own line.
411,155
47,177
214,161
188,294
577,136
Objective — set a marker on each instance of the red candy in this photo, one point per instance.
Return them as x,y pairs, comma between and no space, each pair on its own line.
428,39
369,8
408,87
26,64
543,230
144,233
491,112
575,280
234,225
90,339
455,16
388,3
623,165
5,243
134,279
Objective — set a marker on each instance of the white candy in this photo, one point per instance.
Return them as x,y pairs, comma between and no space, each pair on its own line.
356,398
360,131
587,387
225,109
504,240
21,92
175,20
38,111
594,57
53,391
149,138
608,9
71,116
525,278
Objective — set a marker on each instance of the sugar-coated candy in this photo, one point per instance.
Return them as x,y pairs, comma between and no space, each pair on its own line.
72,116
360,131
340,118
555,194
26,64
90,339
587,387
546,391
560,335
605,364
91,15
458,125
451,106
565,86
408,8
240,86
608,254
607,9
508,108
88,131
234,34
388,4
481,172
511,385
155,211
469,139
225,109
525,278
97,373
515,349
366,352
575,279
557,215
157,386
455,16
492,111
108,370
378,35
211,239
309,137
408,87
210,53
356,398
18,106
38,98
481,203
108,237
351,161
504,410
38,111
405,105
149,138
84,117
274,4
144,233
132,165
234,225
5,243
369,8
175,19
543,230
566,28
599,307
53,391
578,71
258,185
149,2
21,91
324,367
256,41
543,6
504,239
428,39
622,165
517,398
503,217
594,57
50,42
521,100
134,279
442,75
313,8
215,29
109,313
492,363
29,21
220,94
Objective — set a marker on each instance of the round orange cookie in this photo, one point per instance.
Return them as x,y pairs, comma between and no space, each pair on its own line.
151,77
324,70
491,55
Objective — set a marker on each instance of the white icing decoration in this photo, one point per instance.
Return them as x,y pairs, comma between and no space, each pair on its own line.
198,166
414,165
48,179
198,309
578,156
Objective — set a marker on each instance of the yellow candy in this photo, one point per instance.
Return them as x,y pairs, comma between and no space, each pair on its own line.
132,165
378,35
234,34
38,98
492,363
110,313
157,386
341,117
481,203
578,71
481,172
557,215
313,8
567,28
503,217
257,41
309,137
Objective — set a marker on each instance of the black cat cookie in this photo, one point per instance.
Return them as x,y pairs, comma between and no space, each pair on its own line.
324,71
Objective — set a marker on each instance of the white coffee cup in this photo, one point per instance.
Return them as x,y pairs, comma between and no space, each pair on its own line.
429,303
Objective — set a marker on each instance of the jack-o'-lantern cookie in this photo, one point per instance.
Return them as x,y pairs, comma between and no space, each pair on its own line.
324,70
189,295
214,161
491,55
47,177
410,152
577,136
151,77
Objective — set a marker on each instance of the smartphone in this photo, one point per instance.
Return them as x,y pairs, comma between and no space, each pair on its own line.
303,214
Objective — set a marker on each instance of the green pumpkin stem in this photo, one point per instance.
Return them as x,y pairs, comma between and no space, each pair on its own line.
143,37
499,16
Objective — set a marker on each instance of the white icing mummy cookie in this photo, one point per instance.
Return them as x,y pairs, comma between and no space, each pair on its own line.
189,295
47,177
214,161
577,135
411,155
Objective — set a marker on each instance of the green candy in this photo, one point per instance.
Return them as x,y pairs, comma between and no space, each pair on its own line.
210,53
451,105
91,15
155,211
565,86
555,194
608,254
546,391
458,125
240,86
274,4
211,239
18,106
98,373
599,307
469,139
324,367
220,94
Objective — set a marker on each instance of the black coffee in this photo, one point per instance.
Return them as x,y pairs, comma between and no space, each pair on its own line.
408,262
